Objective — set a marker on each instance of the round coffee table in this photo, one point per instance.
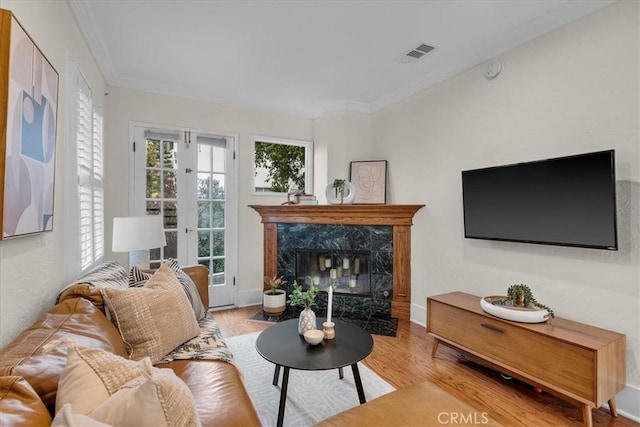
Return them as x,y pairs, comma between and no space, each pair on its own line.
281,345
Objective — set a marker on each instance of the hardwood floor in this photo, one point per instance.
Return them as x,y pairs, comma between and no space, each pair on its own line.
406,359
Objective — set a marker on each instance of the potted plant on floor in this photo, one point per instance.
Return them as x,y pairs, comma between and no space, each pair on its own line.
307,299
274,300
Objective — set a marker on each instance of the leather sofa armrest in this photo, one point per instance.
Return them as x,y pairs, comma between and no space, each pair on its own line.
20,405
200,276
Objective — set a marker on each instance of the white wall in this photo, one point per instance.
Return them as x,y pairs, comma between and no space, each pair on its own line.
339,137
125,106
572,91
32,269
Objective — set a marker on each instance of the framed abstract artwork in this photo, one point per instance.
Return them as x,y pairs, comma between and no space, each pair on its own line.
370,180
28,114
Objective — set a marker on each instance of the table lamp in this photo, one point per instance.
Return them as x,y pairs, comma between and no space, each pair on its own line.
136,235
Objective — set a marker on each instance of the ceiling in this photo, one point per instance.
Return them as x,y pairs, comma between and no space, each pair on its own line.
305,57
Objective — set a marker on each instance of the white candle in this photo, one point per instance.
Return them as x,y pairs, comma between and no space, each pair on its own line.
339,272
352,282
322,262
356,267
327,263
345,263
334,273
329,303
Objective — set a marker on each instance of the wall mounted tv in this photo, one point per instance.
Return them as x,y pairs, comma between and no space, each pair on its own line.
568,201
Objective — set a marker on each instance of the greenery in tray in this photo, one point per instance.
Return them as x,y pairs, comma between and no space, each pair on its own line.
305,298
521,296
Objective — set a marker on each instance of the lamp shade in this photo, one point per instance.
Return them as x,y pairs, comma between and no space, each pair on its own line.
136,233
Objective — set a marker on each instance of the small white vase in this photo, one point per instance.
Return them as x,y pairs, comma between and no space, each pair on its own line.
346,197
307,321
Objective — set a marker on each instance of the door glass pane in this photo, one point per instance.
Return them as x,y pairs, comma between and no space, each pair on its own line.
170,185
204,247
218,266
170,215
153,153
170,155
218,156
153,207
171,250
204,184
153,184
204,214
217,186
204,157
218,214
218,242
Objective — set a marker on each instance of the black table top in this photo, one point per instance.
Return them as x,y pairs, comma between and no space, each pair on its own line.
281,344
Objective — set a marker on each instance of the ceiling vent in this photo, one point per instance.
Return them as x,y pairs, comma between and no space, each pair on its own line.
416,53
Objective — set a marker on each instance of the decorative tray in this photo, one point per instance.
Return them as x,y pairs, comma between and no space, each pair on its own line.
531,314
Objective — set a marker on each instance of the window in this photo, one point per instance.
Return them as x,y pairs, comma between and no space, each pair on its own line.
86,222
281,164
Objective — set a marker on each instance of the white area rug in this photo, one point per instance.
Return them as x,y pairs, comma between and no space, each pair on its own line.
312,396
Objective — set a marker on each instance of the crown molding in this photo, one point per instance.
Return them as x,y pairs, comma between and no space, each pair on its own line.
89,29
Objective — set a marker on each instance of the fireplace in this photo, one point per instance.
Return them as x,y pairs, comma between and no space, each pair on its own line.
384,231
349,272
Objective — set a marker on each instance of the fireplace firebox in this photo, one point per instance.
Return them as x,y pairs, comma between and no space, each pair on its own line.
349,272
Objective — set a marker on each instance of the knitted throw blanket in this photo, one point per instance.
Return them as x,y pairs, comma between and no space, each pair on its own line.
209,345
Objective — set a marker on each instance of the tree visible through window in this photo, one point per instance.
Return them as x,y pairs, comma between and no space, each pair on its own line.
281,165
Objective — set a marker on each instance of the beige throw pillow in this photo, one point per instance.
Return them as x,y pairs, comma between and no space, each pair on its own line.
153,319
90,376
158,398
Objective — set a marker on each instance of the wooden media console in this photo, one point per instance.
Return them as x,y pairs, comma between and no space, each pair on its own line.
577,362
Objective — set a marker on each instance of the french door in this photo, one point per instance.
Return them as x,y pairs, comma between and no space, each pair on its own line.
188,177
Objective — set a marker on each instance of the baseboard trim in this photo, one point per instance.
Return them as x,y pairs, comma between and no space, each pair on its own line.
419,315
627,401
249,298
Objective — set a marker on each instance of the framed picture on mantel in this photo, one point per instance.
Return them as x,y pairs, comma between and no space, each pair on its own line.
370,180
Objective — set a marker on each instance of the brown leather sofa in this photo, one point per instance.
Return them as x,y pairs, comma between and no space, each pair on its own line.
29,377
422,404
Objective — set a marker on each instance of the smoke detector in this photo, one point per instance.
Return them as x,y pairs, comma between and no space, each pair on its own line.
416,53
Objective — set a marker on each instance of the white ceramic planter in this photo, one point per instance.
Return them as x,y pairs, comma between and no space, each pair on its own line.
347,197
274,305
516,314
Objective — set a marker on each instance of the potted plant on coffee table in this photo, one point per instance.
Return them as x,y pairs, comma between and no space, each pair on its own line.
307,299
274,300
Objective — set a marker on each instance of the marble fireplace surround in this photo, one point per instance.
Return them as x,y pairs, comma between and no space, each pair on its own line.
384,229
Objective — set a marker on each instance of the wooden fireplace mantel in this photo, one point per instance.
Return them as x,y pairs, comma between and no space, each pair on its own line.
400,217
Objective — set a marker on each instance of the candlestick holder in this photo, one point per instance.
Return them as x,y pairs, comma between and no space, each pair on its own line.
329,330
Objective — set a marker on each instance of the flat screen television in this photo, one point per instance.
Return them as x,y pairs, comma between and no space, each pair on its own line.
567,201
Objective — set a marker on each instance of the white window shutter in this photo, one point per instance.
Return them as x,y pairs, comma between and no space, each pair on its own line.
90,189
